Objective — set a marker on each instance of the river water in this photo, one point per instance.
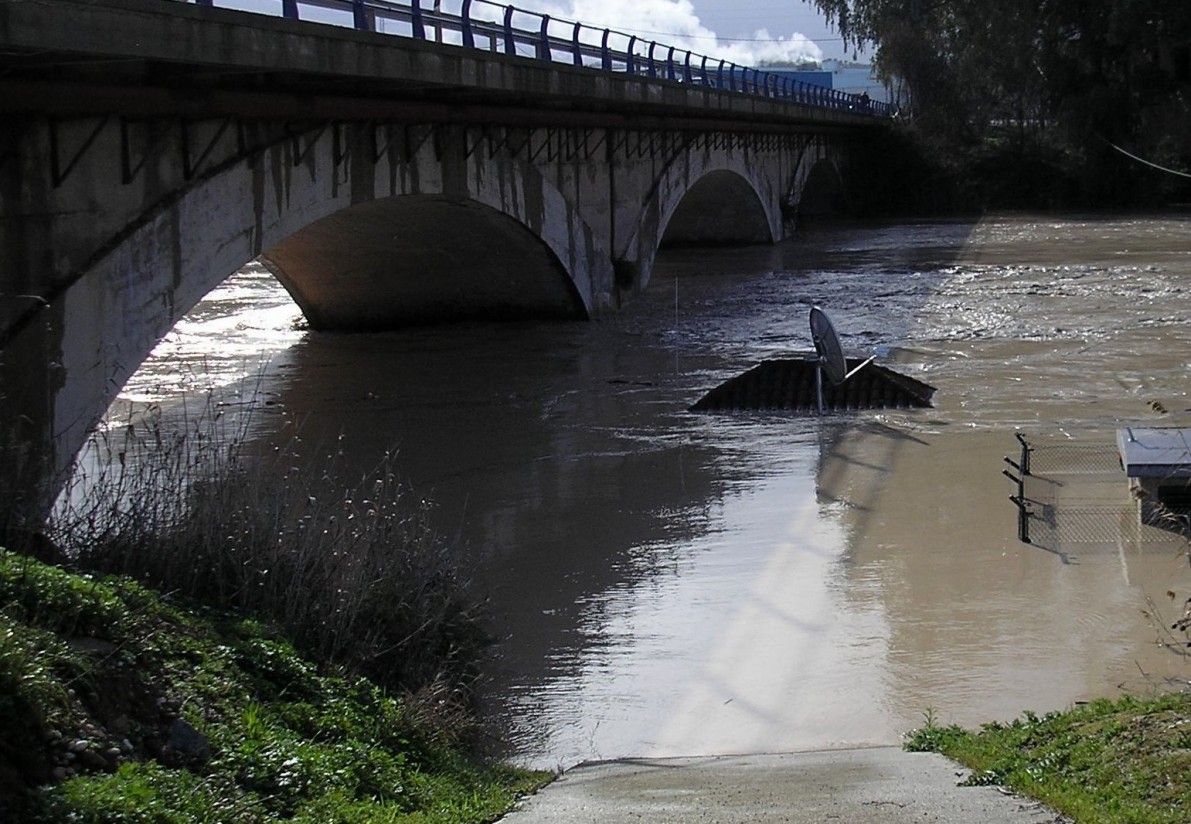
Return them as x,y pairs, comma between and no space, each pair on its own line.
668,583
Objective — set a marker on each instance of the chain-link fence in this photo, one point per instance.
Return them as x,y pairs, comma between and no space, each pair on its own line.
1076,496
1075,459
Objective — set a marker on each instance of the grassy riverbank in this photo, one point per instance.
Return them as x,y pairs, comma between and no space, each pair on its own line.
1107,762
120,705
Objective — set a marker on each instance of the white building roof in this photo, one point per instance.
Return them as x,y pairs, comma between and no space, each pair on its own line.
1155,453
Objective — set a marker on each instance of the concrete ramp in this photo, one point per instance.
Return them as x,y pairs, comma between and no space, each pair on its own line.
871,786
789,385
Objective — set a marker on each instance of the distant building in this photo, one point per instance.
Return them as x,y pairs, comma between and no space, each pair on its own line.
850,78
856,78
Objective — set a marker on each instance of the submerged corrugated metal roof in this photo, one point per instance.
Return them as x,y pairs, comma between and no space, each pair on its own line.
790,385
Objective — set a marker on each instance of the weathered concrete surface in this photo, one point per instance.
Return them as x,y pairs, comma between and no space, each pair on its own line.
883,784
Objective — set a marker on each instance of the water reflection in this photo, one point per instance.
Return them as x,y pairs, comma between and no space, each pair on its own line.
664,583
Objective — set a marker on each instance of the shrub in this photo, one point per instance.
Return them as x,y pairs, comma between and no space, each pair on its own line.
349,569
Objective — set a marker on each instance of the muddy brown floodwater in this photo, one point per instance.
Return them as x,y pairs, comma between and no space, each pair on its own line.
666,583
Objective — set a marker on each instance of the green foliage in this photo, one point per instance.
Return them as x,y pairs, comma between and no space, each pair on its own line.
56,600
30,688
283,742
149,793
931,737
1054,84
1122,761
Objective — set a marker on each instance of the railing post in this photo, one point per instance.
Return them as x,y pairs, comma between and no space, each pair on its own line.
510,39
544,39
361,18
415,20
760,83
469,39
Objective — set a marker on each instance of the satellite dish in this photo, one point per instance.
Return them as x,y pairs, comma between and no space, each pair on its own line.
831,354
827,345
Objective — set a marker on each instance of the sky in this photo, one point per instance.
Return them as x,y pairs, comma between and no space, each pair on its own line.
746,32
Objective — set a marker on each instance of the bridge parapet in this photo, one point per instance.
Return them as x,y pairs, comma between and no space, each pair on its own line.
497,28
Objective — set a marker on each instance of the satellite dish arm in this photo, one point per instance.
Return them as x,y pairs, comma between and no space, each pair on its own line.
853,371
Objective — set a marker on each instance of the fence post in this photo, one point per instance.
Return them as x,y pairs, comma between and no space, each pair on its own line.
1023,469
652,68
576,51
289,9
605,54
631,58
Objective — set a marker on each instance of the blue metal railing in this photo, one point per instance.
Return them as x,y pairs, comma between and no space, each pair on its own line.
488,26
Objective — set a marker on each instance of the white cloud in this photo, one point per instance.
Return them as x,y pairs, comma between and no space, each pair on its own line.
675,23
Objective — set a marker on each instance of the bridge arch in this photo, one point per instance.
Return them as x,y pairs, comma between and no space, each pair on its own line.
410,259
721,208
402,231
688,187
822,190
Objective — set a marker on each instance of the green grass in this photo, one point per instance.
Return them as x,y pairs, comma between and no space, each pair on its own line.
97,674
1117,762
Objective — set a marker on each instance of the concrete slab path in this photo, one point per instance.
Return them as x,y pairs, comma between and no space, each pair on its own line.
882,784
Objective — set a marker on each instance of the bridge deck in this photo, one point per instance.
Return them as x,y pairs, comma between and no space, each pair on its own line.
78,57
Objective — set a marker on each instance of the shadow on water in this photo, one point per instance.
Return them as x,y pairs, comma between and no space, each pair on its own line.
562,456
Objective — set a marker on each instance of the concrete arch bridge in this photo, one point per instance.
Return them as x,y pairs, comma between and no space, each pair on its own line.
149,149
